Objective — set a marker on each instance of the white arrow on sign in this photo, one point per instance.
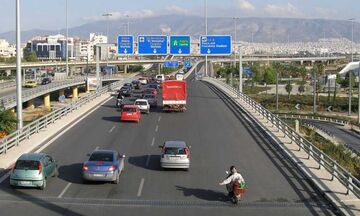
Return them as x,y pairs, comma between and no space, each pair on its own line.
125,51
208,51
155,51
180,51
297,106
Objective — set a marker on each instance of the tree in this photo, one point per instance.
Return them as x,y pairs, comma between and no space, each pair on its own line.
7,122
301,89
270,75
288,89
257,75
31,57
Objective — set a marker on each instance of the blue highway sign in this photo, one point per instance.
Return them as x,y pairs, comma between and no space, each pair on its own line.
187,64
125,45
171,64
152,45
180,45
215,45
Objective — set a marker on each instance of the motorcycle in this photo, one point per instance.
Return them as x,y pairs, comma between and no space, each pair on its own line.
235,190
118,102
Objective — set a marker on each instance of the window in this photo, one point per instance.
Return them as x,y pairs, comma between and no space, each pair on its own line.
101,156
174,151
27,165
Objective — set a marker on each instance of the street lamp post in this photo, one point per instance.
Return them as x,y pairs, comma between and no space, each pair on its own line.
235,37
107,15
18,69
352,60
240,70
67,39
206,32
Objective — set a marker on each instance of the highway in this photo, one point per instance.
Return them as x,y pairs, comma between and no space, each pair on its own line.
219,137
346,136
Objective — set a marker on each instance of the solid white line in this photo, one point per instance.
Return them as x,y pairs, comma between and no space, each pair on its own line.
159,118
153,141
148,160
140,187
60,134
64,190
157,128
113,127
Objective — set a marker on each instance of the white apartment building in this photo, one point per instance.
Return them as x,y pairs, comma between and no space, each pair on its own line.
7,50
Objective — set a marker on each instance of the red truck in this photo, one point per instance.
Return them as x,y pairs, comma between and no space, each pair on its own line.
174,95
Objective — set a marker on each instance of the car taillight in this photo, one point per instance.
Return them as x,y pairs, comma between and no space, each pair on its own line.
85,168
112,169
40,167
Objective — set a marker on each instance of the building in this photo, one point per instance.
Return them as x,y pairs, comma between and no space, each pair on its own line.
7,50
51,47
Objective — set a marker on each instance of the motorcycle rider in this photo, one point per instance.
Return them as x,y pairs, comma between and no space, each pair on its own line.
233,177
119,99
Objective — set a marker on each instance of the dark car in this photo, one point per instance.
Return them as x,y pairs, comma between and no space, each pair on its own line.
136,84
45,81
154,86
152,100
125,91
129,85
137,93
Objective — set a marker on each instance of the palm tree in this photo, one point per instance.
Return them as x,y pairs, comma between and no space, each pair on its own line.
7,122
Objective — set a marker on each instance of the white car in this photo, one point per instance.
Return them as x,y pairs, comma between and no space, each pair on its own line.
160,78
143,80
175,155
143,105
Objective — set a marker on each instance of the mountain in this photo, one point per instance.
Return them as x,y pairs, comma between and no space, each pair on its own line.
248,29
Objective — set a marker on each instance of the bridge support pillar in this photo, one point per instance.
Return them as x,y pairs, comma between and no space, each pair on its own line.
125,69
74,93
30,104
159,68
47,101
302,62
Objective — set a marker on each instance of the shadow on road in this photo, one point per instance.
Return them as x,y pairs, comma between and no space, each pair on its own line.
71,173
112,118
204,194
143,161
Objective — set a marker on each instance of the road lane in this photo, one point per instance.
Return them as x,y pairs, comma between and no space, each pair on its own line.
218,139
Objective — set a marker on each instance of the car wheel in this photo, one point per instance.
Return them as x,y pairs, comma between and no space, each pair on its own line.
117,180
56,172
43,186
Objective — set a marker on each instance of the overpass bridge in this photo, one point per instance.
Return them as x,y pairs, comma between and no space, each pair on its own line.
220,135
161,61
8,98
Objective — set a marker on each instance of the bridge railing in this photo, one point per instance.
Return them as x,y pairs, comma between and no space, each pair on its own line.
315,118
15,138
7,84
346,178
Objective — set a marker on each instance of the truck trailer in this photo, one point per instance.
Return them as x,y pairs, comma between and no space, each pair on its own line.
174,95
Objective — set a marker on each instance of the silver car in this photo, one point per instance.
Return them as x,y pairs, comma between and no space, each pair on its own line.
175,154
103,165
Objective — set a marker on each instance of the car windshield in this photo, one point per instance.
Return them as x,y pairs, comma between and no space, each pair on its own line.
129,110
174,151
101,156
27,165
149,96
140,103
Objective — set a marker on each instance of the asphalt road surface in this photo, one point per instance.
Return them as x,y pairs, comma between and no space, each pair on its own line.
218,137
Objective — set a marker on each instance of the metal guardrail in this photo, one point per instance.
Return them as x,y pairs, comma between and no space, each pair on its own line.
315,118
9,101
338,172
16,137
7,84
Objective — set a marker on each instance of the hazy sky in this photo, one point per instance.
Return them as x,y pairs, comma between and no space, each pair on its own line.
50,14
